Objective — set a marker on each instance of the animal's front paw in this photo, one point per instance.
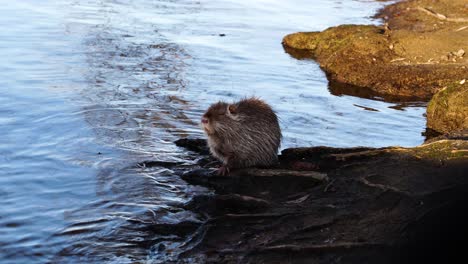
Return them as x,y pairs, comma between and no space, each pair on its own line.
223,170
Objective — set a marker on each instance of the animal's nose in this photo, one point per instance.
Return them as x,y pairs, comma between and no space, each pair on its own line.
204,120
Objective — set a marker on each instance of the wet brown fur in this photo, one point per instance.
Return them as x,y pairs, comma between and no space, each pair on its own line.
243,134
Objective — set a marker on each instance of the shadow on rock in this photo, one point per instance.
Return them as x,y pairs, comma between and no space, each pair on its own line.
325,205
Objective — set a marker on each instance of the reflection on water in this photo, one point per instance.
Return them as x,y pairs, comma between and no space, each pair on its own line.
89,89
399,103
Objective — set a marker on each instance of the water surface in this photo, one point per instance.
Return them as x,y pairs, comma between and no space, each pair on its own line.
88,89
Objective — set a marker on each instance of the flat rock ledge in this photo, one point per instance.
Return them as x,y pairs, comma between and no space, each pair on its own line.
329,205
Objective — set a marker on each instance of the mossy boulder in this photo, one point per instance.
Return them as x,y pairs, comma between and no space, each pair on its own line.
364,39
447,111
405,61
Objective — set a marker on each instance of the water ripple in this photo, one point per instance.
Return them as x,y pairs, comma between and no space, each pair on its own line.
90,89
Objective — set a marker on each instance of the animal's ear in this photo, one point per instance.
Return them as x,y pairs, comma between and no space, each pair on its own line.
232,109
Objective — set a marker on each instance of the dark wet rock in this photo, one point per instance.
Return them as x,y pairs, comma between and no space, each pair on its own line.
260,183
401,59
431,135
156,163
457,135
272,173
196,145
362,205
447,111
324,158
227,203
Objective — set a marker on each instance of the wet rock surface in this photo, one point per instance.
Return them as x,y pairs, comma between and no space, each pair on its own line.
417,52
329,205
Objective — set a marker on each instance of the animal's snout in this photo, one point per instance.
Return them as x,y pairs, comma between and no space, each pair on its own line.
204,120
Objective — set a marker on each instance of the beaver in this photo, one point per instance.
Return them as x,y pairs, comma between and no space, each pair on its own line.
242,134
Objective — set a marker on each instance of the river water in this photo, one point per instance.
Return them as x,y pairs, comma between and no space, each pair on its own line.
90,88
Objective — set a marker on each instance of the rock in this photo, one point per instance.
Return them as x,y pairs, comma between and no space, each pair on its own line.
317,176
259,183
370,56
196,145
445,57
447,111
386,205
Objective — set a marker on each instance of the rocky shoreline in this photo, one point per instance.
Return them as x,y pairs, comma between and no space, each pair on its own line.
351,205
418,54
327,205
412,56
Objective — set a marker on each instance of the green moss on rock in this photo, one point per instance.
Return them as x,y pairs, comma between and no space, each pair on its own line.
360,55
448,109
363,39
403,59
441,150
